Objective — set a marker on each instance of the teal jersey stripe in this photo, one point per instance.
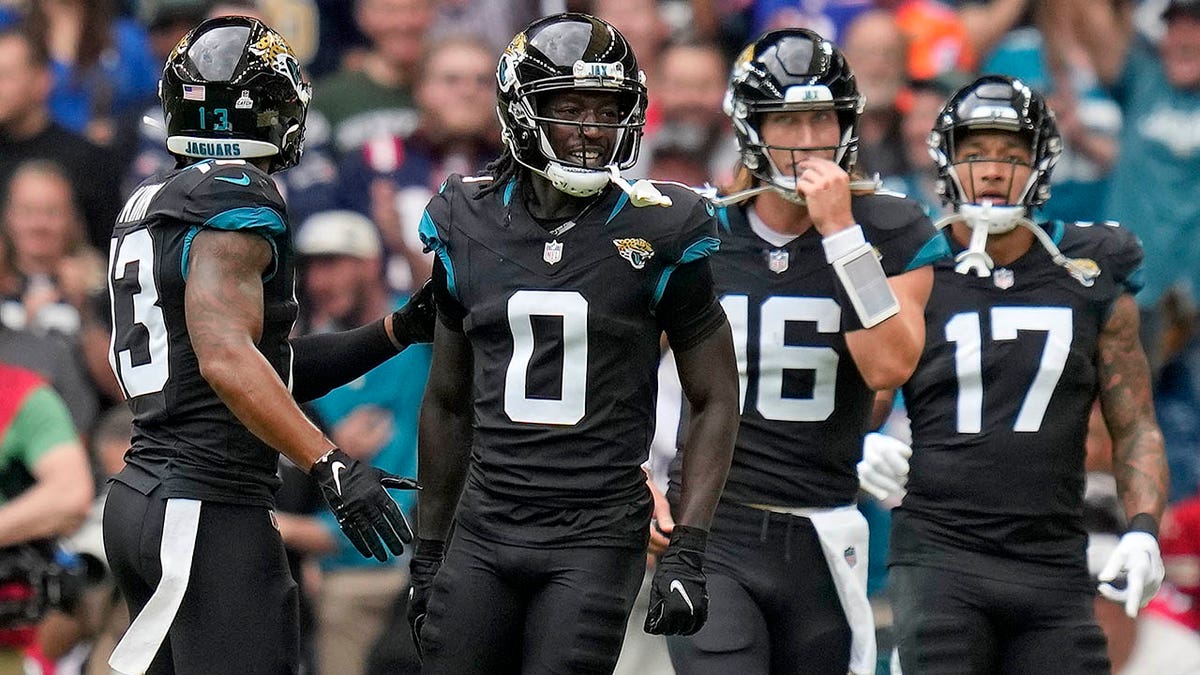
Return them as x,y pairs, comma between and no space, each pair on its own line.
616,209
934,250
261,220
429,236
699,249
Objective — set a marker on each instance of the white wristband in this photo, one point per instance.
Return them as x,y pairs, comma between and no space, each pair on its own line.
838,244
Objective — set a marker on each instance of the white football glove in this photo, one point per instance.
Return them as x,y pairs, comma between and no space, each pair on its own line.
883,471
1138,559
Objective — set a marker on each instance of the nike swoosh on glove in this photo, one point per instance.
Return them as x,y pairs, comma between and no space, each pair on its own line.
355,492
1139,561
426,561
413,323
678,592
883,470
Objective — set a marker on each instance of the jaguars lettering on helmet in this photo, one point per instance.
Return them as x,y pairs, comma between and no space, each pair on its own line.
568,52
232,88
790,70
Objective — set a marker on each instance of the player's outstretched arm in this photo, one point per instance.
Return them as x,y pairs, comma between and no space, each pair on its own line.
887,353
444,433
1139,460
223,304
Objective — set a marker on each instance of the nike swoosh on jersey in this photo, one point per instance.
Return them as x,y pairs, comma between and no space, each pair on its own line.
243,181
677,586
338,468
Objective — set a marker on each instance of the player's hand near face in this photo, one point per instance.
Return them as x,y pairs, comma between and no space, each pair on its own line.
825,187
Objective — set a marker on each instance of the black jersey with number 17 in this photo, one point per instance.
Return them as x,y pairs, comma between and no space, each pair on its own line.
805,406
183,433
564,329
1000,405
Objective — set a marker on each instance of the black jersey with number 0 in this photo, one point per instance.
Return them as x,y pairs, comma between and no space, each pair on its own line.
182,432
1000,404
565,333
804,404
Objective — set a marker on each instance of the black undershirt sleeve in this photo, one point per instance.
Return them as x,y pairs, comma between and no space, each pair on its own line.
688,311
324,361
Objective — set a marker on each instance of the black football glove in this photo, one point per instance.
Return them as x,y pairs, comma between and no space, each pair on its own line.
678,593
413,322
427,559
355,492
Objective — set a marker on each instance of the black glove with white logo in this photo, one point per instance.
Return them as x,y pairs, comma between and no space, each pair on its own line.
678,594
355,492
427,559
413,323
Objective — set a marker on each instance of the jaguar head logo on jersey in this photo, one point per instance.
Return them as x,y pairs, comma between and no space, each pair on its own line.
637,251
561,54
1084,270
235,81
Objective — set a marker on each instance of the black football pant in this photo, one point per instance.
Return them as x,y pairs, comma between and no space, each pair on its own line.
239,614
498,608
772,604
950,621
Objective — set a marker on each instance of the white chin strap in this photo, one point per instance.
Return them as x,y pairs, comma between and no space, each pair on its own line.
985,219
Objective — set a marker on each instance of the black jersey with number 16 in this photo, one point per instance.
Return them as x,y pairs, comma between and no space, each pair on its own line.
182,432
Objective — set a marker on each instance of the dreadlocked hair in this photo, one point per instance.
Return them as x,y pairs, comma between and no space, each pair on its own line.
502,169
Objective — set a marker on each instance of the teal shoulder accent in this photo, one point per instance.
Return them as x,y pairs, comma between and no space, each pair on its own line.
1057,229
187,249
442,188
616,209
433,242
262,220
723,219
249,218
508,190
1136,280
699,249
934,250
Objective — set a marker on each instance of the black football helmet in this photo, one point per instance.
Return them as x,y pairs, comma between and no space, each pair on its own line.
996,102
232,88
568,52
790,70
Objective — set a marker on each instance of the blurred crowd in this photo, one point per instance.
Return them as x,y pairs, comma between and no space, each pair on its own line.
404,95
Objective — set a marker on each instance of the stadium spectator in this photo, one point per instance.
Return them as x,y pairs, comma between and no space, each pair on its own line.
45,493
392,178
1153,185
374,98
875,47
27,131
101,63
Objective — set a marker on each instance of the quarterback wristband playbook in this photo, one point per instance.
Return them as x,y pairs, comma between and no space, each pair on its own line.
861,280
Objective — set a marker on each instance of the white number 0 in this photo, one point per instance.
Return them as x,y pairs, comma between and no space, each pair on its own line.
573,309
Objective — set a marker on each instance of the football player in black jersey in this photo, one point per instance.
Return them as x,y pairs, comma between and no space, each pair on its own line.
201,284
1025,328
825,289
555,279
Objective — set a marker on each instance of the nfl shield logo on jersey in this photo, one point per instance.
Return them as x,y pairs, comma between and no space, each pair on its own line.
777,261
553,252
1003,278
851,556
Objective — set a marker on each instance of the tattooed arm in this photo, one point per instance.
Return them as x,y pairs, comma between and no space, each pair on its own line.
1139,462
223,303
